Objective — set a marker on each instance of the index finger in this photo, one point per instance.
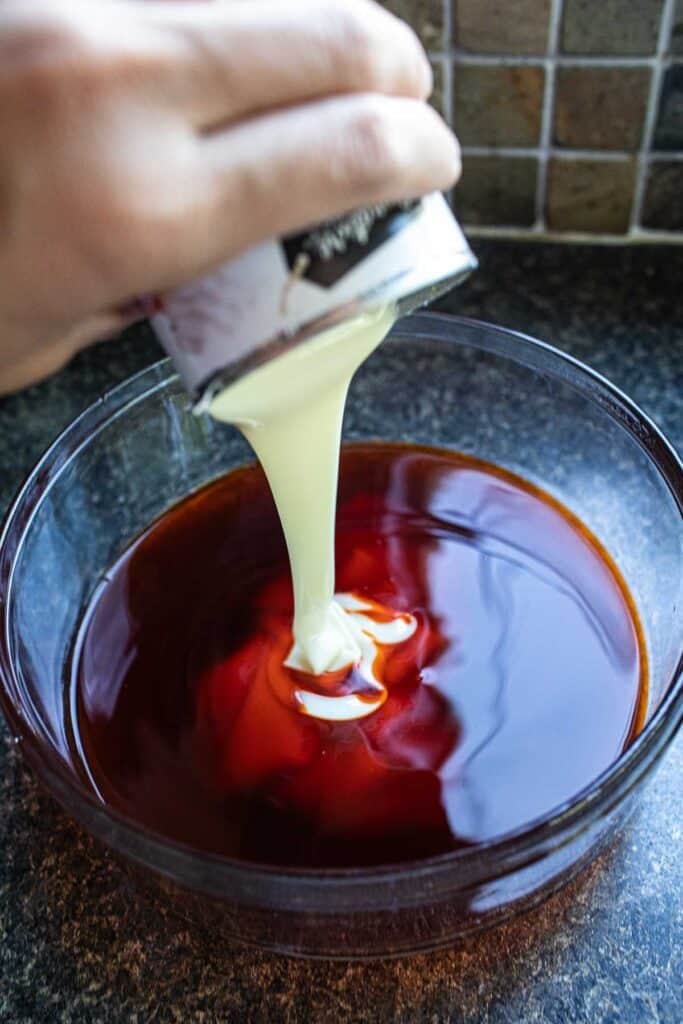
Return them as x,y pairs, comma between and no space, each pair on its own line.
231,60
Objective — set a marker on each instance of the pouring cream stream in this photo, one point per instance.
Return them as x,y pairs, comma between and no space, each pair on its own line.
291,410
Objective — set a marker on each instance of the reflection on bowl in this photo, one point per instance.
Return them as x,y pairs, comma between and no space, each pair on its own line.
444,381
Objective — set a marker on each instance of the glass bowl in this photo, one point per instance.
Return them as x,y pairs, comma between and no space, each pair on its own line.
439,380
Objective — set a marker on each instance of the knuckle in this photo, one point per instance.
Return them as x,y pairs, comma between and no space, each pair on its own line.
59,39
64,58
50,58
159,219
353,44
370,152
119,211
371,50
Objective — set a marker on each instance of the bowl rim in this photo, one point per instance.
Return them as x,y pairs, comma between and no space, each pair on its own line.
518,847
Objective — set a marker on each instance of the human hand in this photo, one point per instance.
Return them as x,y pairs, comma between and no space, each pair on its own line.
145,143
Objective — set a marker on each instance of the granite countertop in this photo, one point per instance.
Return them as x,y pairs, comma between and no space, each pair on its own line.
77,944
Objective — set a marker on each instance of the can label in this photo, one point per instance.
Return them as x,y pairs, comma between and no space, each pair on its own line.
332,250
281,292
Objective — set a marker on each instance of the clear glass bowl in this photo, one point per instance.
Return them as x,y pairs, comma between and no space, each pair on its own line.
439,380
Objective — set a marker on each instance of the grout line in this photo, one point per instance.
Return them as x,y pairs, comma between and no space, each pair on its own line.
441,64
547,113
640,236
665,26
447,76
606,155
447,35
447,66
562,60
538,152
447,81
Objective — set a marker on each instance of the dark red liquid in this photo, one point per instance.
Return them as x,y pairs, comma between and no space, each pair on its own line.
526,677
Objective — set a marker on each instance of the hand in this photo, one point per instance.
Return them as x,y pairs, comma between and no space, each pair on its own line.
145,143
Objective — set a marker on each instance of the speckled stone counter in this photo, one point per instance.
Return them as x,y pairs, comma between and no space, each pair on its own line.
78,945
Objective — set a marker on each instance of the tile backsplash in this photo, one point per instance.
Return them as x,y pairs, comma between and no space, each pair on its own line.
569,112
